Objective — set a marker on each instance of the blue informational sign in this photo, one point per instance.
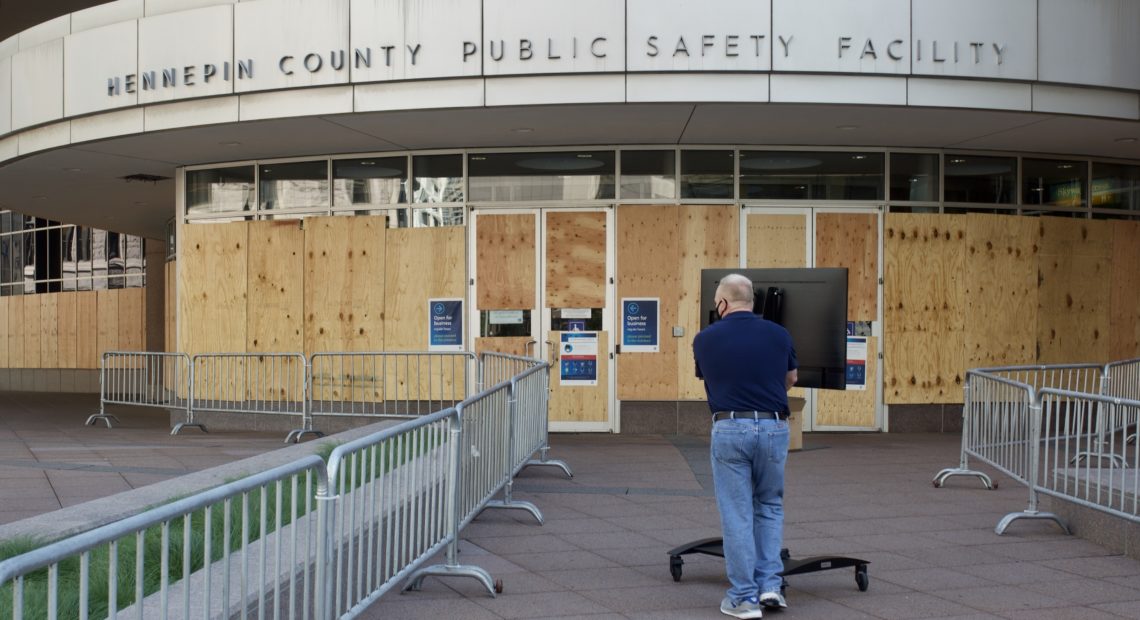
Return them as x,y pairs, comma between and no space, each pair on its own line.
578,359
445,324
856,363
640,325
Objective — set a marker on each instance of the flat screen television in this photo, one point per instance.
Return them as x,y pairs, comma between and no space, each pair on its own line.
810,303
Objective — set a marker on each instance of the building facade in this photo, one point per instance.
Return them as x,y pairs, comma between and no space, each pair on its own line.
317,174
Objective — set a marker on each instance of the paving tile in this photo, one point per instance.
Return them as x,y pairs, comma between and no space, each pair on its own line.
1130,609
906,605
538,543
1110,566
601,578
564,560
1061,613
1087,591
610,540
1064,548
926,578
1001,598
541,605
1013,573
657,598
411,606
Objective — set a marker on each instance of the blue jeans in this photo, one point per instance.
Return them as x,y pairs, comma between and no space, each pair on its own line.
748,459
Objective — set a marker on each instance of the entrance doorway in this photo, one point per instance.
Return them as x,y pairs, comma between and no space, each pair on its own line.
831,237
543,286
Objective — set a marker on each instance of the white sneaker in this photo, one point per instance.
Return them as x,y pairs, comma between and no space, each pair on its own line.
773,600
747,608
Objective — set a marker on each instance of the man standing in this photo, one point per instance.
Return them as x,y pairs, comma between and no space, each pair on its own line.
748,365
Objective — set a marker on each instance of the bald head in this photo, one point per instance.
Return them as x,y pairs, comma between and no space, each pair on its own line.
736,291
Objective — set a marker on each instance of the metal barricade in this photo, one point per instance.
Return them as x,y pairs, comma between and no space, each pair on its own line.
394,498
255,383
250,545
388,385
1082,463
532,426
1122,380
144,379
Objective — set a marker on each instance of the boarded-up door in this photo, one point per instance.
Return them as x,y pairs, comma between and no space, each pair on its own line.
576,317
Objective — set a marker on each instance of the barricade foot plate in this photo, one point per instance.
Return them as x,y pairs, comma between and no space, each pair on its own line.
551,463
1030,514
443,570
517,505
941,477
181,425
1115,460
106,417
295,435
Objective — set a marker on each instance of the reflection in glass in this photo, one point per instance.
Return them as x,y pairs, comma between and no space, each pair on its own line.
707,174
804,175
1116,186
567,175
219,190
295,185
914,176
438,178
370,182
977,178
648,174
1054,183
99,269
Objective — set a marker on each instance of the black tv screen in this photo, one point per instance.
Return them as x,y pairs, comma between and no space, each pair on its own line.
810,303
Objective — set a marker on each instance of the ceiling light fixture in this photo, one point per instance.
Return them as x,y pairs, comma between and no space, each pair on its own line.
229,143
846,127
523,129
1125,140
73,169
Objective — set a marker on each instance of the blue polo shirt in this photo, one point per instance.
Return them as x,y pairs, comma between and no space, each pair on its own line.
744,361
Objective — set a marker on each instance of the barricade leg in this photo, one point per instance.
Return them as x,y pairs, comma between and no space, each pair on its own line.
102,415
451,566
189,423
963,468
1033,467
1105,423
508,502
542,460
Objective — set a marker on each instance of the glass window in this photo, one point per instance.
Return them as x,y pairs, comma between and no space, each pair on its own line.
649,174
566,175
438,178
1053,182
707,174
1116,186
804,175
914,176
369,183
977,178
219,190
294,185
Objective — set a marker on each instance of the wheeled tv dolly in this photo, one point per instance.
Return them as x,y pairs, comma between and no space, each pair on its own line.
715,547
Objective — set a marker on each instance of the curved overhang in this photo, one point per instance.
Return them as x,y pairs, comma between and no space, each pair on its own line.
19,15
118,94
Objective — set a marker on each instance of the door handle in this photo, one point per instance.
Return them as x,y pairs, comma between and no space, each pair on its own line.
550,348
529,348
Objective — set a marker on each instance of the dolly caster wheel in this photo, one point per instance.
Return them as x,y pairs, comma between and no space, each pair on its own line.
862,579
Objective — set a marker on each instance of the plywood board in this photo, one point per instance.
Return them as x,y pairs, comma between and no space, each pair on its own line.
777,241
923,367
4,359
170,309
575,259
1073,307
709,239
421,263
212,287
851,408
1074,290
505,262
276,271
648,265
851,240
132,319
16,332
49,330
66,322
1124,316
924,303
581,403
344,284
1001,290
32,330
108,322
87,329
510,345
1065,236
